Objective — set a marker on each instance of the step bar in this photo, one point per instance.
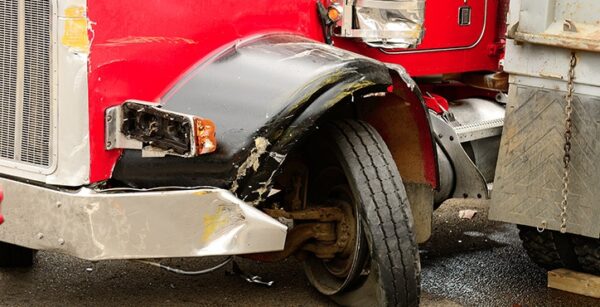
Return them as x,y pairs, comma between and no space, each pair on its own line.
480,130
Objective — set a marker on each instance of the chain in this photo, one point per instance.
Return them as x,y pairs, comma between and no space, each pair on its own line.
567,147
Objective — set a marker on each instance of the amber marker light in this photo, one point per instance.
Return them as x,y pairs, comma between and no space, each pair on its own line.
334,14
206,140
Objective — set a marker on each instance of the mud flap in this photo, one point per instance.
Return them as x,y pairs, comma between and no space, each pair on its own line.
528,184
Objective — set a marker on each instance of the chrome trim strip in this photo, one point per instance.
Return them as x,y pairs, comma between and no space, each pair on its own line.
485,15
20,83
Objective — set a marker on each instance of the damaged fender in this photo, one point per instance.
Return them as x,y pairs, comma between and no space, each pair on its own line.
264,95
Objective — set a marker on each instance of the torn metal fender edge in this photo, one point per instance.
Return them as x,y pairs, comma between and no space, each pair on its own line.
256,187
128,224
263,94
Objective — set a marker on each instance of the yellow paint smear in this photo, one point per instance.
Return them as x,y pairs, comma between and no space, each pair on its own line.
75,12
75,34
214,222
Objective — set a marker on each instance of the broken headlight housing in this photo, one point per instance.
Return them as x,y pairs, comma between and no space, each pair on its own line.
379,23
157,132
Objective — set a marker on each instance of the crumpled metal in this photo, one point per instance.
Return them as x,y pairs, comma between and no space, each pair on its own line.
391,28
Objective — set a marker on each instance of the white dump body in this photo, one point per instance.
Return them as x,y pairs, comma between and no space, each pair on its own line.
543,36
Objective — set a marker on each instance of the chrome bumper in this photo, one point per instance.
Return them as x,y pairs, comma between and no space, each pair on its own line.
131,225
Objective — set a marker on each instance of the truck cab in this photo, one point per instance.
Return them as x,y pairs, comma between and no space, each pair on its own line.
324,130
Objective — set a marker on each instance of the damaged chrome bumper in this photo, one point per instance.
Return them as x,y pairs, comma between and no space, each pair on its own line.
131,225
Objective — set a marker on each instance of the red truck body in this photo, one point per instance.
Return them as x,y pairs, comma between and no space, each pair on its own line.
108,147
140,49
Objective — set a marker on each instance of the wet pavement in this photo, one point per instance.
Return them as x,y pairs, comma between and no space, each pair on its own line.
467,262
481,263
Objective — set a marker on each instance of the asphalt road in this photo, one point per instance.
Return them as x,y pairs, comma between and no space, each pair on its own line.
467,262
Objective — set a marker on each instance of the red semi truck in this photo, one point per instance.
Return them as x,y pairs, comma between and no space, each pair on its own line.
152,129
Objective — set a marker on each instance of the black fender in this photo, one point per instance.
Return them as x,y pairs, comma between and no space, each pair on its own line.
264,95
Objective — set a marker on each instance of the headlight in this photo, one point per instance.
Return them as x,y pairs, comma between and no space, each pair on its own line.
380,23
157,132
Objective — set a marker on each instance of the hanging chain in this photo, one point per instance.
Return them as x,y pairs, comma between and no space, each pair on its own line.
567,147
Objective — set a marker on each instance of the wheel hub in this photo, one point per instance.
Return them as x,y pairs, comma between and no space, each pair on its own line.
341,264
334,275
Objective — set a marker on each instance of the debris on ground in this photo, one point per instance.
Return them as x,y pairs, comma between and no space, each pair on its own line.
467,214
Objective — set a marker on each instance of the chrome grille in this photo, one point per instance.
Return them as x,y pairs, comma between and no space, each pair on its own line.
35,136
25,81
8,70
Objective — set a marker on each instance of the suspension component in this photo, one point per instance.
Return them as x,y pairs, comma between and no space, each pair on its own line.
323,230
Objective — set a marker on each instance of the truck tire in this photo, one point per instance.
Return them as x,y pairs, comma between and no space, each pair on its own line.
588,254
352,164
13,256
549,249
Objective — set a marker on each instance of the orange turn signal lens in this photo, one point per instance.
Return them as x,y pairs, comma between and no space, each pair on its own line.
206,140
334,14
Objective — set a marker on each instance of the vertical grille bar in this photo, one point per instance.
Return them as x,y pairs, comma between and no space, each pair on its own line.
35,136
9,36
26,81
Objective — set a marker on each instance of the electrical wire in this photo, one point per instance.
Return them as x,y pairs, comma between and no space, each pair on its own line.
183,272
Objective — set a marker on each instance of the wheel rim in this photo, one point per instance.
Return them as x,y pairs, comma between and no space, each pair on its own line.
350,267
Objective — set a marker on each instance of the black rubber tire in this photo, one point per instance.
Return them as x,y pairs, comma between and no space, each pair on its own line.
588,254
13,256
384,212
549,249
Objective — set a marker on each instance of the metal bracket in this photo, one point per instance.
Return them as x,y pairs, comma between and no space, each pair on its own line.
114,136
469,180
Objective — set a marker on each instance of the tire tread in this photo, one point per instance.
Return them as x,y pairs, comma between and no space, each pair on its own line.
588,254
386,205
549,249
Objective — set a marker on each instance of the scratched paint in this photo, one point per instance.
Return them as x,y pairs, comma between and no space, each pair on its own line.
253,161
136,40
96,225
215,222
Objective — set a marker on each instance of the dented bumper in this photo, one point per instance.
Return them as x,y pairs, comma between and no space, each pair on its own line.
131,225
